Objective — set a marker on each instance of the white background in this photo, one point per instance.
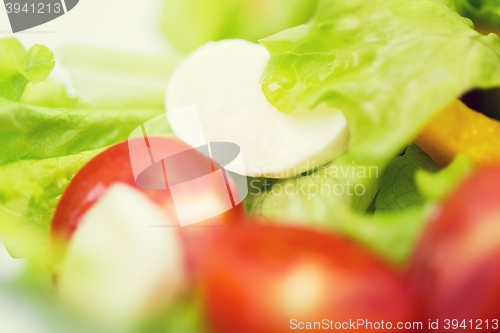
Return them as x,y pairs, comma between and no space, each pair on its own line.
129,25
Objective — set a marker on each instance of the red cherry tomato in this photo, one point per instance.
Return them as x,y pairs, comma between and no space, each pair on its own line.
457,263
271,279
113,165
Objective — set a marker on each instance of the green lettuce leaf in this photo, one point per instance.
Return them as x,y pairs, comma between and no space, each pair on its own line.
48,93
437,186
189,24
388,65
18,66
314,198
484,11
103,79
41,148
409,191
32,132
392,235
398,191
29,193
326,199
186,315
315,201
106,79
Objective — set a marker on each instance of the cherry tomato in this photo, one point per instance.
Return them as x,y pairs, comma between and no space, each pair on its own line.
273,279
456,266
114,165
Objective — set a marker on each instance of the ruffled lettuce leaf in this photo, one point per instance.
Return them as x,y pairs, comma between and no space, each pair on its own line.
398,191
93,78
48,137
189,24
329,202
49,93
29,193
335,197
32,132
437,186
388,65
483,11
392,236
315,198
41,149
18,66
107,79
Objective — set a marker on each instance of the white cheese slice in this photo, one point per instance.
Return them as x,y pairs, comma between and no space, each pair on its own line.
222,80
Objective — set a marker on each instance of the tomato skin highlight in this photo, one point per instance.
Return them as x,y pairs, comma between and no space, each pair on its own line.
113,165
261,277
456,266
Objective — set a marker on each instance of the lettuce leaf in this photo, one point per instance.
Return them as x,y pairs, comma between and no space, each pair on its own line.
316,197
484,11
41,149
32,132
43,145
189,24
388,65
18,66
399,191
107,79
409,191
29,193
437,186
48,93
185,315
92,78
327,200
392,236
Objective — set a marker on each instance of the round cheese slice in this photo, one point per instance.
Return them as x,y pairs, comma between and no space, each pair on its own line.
221,80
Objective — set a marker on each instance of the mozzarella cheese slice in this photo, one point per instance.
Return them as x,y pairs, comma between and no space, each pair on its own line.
221,79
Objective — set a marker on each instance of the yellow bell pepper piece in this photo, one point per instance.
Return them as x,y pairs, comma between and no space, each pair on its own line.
460,130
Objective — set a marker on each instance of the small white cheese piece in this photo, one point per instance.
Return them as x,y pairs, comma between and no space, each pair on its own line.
124,259
222,80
